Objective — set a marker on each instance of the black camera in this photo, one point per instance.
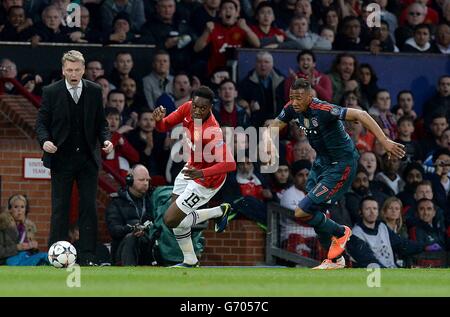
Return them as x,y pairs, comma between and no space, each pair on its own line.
138,227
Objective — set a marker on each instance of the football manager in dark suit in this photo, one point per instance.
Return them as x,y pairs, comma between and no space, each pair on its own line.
70,127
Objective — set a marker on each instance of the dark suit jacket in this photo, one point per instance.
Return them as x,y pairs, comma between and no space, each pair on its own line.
53,121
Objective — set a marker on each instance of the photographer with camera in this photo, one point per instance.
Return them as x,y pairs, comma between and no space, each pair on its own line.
129,218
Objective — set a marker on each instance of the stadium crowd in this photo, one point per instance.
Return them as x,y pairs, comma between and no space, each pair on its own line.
409,198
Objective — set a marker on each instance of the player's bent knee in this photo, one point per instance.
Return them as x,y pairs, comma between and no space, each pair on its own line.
306,208
170,221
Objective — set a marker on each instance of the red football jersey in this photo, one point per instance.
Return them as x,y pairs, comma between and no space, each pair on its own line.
206,143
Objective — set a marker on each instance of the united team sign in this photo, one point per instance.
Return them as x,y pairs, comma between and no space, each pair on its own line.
33,168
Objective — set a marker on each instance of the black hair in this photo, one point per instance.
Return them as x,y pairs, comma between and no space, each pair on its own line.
111,111
301,83
404,119
142,111
223,82
421,200
366,198
204,92
115,91
405,91
228,1
306,52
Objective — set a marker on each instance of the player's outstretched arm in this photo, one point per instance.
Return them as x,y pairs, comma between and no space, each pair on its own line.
391,147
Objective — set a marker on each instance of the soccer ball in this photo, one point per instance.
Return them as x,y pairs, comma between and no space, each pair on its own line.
62,254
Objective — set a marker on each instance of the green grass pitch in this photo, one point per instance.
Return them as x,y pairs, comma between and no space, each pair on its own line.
229,282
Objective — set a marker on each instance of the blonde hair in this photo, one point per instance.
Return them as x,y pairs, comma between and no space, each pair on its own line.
386,205
72,56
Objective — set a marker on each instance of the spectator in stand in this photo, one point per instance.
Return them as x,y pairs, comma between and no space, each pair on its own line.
405,105
349,37
123,68
205,13
344,75
446,12
159,81
368,85
443,38
149,143
247,191
299,37
133,100
381,40
269,35
51,29
370,162
284,11
391,215
319,9
231,32
440,178
123,156
427,231
262,89
443,143
360,188
331,19
387,16
438,125
321,83
303,8
280,180
8,69
303,151
121,32
182,90
94,69
17,27
227,111
416,15
364,139
413,175
131,206
421,41
328,34
389,174
290,229
17,243
373,242
32,82
431,15
134,8
405,131
380,110
440,102
104,83
116,99
218,75
172,33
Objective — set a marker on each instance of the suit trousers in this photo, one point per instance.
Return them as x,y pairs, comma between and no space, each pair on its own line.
66,169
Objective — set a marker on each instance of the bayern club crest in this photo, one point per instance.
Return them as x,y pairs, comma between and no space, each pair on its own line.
314,122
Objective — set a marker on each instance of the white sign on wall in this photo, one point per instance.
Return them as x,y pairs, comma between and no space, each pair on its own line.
33,168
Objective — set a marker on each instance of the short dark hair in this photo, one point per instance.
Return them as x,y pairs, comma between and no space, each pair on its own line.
228,1
115,91
424,200
439,152
142,111
301,83
405,91
405,118
422,26
111,111
204,92
306,52
159,52
362,169
263,4
366,198
223,82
